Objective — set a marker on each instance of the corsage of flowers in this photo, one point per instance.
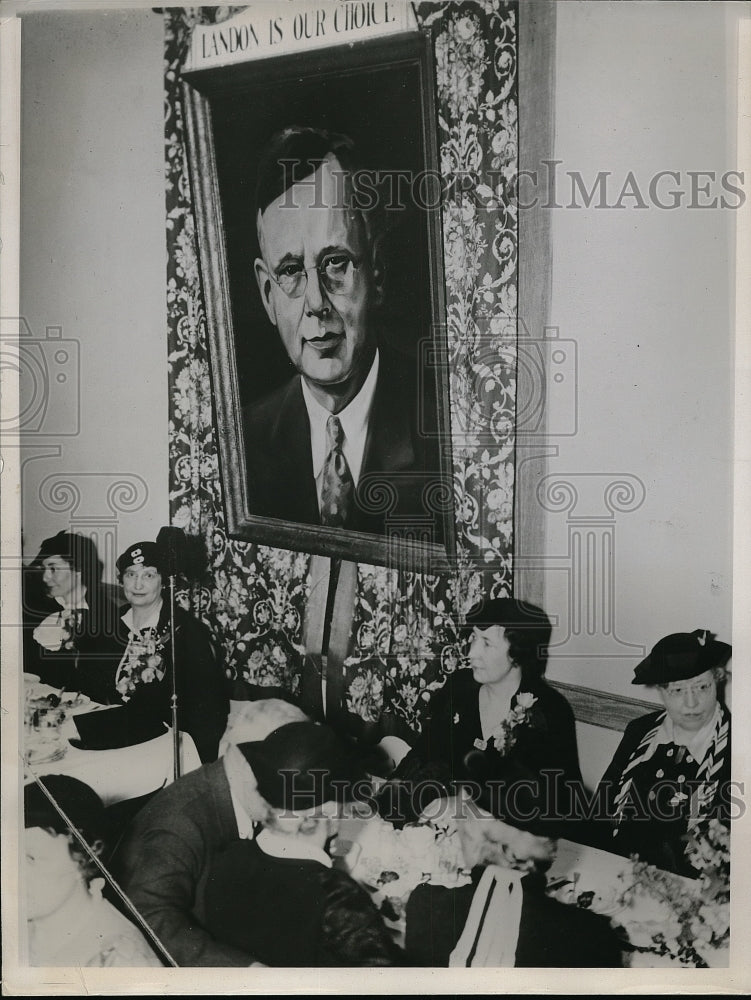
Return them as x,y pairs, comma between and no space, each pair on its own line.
56,632
143,662
503,736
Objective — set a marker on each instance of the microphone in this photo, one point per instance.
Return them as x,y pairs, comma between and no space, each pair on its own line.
183,555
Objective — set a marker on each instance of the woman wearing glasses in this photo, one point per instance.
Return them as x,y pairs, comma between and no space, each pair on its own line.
670,775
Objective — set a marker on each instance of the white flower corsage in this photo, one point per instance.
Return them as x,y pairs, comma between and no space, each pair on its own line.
503,736
56,631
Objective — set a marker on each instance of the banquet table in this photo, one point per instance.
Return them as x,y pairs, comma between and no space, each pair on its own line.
119,774
580,876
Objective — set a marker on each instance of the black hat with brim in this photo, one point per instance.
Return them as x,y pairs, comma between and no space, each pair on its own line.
301,765
680,656
506,612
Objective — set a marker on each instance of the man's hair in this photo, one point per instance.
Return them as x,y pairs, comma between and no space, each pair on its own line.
257,719
295,153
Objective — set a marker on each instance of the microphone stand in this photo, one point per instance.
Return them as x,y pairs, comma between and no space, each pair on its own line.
175,731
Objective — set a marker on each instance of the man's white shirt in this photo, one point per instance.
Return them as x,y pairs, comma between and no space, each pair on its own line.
354,418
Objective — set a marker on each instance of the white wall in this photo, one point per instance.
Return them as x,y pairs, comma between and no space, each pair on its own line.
647,295
93,262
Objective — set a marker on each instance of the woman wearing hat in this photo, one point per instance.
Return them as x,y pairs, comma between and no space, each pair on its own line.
139,675
671,772
67,613
499,725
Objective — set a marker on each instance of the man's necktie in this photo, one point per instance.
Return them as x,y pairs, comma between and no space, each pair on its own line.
337,485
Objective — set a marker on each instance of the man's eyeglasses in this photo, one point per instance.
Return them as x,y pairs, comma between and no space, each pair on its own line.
336,272
679,690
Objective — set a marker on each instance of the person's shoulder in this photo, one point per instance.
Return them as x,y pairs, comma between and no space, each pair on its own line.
400,372
460,683
190,623
261,414
184,800
640,726
551,700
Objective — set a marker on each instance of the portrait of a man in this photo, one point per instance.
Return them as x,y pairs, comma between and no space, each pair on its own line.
350,439
320,242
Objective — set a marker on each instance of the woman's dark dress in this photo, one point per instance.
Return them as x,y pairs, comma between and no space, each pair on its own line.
202,700
530,784
651,827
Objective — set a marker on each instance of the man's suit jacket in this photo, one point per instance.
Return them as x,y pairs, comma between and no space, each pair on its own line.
397,452
551,934
164,863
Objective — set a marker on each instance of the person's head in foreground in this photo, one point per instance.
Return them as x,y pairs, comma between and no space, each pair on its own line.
319,272
251,721
58,867
687,668
508,641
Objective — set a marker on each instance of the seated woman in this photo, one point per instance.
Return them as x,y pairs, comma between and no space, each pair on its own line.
67,615
278,897
140,674
69,923
671,772
499,726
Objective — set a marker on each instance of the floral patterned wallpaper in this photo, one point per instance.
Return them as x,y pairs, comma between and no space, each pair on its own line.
404,638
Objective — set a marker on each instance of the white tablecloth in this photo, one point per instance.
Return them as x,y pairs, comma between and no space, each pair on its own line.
583,869
124,773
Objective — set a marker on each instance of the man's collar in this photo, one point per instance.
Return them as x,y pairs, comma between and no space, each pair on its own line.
353,418
279,845
239,772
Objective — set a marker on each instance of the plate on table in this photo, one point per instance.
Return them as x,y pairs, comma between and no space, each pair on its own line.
73,702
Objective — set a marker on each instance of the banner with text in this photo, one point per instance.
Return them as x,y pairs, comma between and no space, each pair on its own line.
270,29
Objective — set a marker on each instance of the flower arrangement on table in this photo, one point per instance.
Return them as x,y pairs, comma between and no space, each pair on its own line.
691,923
143,662
391,862
504,736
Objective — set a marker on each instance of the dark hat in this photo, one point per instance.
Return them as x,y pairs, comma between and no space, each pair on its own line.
508,613
78,550
79,802
142,554
681,656
301,765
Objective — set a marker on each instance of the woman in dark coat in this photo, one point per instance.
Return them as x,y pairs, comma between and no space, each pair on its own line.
139,674
671,773
499,726
68,617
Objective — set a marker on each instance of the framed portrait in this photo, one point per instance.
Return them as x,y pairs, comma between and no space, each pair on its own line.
324,288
